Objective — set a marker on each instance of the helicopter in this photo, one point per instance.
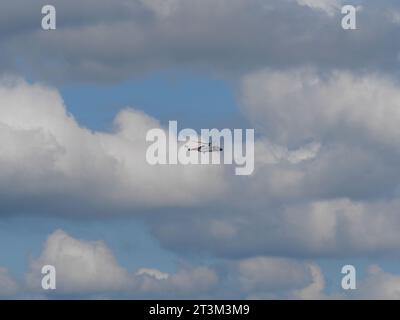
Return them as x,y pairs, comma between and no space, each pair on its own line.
205,147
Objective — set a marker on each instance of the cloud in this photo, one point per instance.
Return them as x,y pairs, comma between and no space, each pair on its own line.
379,285
326,173
305,104
97,41
330,7
349,119
268,153
272,274
314,291
52,162
326,179
153,273
89,268
162,8
265,277
81,266
324,228
188,282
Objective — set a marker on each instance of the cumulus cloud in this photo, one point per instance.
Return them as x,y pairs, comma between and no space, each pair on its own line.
265,277
315,290
152,273
268,153
348,119
307,105
48,159
379,284
81,266
329,6
325,228
190,281
272,274
97,41
326,177
162,8
89,268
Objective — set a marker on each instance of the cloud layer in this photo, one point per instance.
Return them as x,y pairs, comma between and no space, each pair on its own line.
88,269
96,41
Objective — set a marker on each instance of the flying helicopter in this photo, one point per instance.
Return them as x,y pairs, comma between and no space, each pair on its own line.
204,147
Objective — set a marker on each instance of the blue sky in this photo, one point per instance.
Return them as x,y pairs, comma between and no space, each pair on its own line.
195,100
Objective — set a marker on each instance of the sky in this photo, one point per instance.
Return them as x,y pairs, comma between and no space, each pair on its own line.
76,191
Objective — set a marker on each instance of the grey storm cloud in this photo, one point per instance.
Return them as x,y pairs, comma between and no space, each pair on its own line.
109,41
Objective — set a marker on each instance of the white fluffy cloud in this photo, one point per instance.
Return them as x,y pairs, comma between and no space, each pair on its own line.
89,268
162,8
344,126
326,181
379,284
47,157
272,274
81,266
326,174
315,290
187,282
296,105
376,284
331,7
344,227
